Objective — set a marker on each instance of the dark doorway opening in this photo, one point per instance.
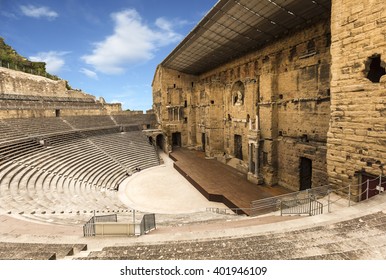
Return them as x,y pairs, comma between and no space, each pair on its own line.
176,139
374,68
203,141
373,183
305,173
57,113
238,146
160,141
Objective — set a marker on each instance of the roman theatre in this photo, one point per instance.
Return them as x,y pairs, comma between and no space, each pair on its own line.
266,140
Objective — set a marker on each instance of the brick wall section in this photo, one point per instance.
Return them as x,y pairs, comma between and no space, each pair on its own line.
357,133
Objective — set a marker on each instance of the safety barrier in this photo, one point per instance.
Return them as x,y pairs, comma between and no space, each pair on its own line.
89,227
147,224
282,203
309,206
108,225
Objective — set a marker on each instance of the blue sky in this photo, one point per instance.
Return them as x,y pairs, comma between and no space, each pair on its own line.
106,48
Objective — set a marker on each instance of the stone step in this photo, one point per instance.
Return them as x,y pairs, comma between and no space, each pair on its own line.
365,233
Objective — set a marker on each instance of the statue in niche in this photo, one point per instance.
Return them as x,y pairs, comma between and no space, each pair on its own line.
239,99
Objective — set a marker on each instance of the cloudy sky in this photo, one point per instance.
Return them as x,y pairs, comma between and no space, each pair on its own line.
106,48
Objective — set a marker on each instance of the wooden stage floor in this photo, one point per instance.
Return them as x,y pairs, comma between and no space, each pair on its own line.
219,182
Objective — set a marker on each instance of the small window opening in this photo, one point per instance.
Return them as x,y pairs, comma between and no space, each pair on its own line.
178,76
374,68
192,84
311,46
281,96
174,85
229,117
212,102
185,103
57,113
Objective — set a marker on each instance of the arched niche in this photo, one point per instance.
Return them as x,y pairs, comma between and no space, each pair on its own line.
238,94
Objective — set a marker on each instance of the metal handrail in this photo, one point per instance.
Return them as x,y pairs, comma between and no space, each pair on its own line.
309,206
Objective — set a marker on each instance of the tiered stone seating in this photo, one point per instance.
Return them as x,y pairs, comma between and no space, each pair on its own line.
49,180
38,126
76,172
85,122
11,151
137,152
21,101
134,119
9,133
38,251
359,238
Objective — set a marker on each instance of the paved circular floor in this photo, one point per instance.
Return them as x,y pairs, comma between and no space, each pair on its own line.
163,190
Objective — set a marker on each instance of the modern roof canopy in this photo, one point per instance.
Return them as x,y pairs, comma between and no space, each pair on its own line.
235,27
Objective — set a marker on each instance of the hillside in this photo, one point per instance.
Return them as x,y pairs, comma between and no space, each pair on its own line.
9,58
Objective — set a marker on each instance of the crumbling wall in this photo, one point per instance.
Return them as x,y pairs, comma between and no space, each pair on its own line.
17,82
357,134
24,95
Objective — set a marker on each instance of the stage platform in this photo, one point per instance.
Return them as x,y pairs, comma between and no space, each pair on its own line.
220,182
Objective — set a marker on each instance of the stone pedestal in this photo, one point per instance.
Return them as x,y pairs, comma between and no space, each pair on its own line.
258,180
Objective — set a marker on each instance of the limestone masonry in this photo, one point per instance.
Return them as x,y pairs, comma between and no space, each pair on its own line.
304,110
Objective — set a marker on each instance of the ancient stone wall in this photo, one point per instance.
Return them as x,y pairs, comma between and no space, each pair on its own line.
24,95
48,112
17,82
266,109
172,102
357,134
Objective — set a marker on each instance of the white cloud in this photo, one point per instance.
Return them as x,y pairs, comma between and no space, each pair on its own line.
8,14
89,73
54,60
38,12
133,41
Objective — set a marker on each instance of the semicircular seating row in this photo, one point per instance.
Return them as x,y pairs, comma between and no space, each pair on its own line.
76,172
22,128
